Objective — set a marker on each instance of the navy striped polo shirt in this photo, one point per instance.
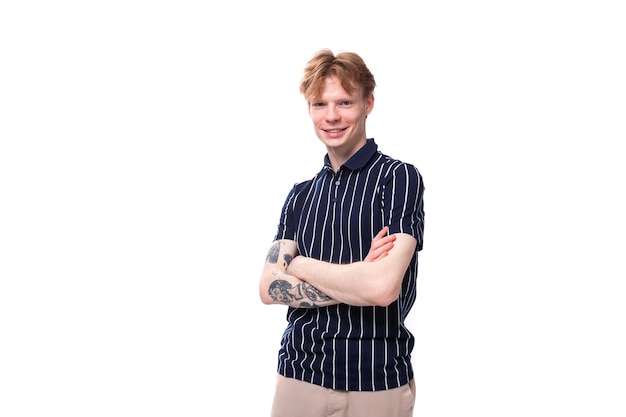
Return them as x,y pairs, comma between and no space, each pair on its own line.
334,217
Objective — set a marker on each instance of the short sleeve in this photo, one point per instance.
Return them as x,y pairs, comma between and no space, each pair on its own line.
403,202
286,229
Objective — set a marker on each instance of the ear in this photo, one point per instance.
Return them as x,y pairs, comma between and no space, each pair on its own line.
369,104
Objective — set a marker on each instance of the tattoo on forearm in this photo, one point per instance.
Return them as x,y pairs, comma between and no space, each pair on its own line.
283,292
272,255
313,293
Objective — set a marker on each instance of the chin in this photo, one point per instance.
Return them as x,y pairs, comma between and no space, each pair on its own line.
333,143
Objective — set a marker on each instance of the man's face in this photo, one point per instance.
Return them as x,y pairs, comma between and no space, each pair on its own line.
339,118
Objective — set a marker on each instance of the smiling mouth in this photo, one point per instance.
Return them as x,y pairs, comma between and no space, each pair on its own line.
334,130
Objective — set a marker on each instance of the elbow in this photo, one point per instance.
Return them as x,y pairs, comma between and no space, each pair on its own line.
384,300
265,299
386,282
264,294
384,295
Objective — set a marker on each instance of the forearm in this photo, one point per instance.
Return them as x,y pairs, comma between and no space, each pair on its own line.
346,283
279,287
286,289
359,283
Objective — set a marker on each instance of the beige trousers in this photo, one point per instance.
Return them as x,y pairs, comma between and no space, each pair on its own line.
294,398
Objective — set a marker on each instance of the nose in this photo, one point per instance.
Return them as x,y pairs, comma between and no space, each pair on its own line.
332,115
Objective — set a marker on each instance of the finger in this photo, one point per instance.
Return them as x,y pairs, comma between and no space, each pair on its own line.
383,241
382,251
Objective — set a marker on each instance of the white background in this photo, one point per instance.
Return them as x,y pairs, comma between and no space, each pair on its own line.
146,149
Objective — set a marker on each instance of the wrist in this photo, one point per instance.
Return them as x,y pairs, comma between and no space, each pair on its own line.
292,267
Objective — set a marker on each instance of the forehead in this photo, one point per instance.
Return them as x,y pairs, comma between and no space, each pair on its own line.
331,88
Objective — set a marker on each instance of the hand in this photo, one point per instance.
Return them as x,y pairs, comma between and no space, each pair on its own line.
381,245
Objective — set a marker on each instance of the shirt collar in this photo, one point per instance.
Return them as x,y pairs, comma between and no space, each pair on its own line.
360,158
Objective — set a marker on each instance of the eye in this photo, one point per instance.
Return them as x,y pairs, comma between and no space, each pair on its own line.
317,104
345,103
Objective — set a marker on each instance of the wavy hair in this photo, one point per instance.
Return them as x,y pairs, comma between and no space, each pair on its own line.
348,67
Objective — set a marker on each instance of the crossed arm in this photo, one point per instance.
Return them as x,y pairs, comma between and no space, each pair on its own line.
299,281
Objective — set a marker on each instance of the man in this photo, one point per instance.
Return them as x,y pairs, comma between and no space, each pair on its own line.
344,259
